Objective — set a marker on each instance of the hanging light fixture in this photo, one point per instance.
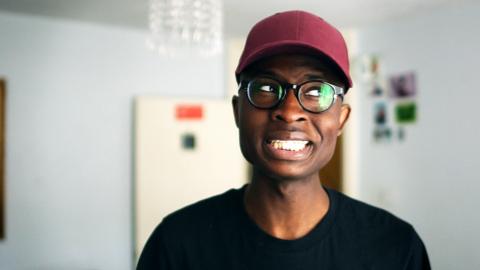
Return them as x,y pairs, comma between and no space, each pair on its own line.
179,27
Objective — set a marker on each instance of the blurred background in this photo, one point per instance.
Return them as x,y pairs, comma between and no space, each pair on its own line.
90,110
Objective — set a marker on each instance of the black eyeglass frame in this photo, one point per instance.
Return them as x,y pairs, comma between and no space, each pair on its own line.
338,91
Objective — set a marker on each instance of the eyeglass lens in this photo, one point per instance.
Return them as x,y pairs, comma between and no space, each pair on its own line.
314,96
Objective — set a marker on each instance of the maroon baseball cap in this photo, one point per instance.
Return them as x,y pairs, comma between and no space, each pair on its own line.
295,32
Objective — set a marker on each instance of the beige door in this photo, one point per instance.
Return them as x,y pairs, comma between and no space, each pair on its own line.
185,150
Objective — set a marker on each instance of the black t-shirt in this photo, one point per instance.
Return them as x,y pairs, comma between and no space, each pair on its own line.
217,233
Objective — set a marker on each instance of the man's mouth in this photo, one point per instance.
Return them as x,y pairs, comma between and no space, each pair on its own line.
288,145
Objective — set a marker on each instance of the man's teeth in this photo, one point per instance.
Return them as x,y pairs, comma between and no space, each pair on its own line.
288,145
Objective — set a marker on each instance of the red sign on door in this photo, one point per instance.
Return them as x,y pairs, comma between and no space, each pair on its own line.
188,112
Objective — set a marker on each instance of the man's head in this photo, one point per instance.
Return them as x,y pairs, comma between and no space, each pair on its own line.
291,134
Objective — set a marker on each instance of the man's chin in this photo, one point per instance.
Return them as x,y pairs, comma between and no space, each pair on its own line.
287,174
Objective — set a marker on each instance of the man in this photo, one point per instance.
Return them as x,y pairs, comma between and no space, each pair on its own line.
292,76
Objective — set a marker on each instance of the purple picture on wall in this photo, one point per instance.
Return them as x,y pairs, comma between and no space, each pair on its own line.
403,85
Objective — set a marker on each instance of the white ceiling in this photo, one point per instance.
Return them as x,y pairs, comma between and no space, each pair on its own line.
239,14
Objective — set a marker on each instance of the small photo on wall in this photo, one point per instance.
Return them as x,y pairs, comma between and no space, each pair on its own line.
379,87
382,134
401,134
380,113
367,66
406,112
377,90
403,85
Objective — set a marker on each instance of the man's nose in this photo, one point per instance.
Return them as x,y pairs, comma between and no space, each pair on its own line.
289,110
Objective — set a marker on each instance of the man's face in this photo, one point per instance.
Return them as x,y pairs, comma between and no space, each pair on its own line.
273,140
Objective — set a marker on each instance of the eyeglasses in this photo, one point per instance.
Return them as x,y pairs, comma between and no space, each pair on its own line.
314,96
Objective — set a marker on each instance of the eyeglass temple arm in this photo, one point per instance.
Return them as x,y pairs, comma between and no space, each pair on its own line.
338,90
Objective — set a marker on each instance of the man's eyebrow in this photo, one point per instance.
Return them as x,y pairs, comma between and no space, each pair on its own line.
315,76
264,72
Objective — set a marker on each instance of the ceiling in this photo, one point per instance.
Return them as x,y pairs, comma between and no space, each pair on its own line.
239,14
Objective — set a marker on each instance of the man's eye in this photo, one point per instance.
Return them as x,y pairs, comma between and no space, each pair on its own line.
316,90
313,93
265,88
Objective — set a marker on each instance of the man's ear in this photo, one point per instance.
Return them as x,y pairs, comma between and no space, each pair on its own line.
235,109
344,114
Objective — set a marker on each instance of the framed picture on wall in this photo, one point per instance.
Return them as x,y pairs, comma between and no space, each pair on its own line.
403,85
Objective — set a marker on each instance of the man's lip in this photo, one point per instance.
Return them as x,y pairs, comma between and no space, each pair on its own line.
278,139
287,136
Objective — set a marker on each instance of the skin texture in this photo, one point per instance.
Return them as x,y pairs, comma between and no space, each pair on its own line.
285,197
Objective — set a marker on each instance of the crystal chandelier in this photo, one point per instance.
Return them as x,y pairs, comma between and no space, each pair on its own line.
180,27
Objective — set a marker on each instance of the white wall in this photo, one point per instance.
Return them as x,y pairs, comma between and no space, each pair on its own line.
69,142
69,137
431,179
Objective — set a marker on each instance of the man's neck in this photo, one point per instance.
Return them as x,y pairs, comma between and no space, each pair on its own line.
286,209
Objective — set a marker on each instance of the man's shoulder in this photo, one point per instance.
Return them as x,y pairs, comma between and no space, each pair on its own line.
380,237
366,219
